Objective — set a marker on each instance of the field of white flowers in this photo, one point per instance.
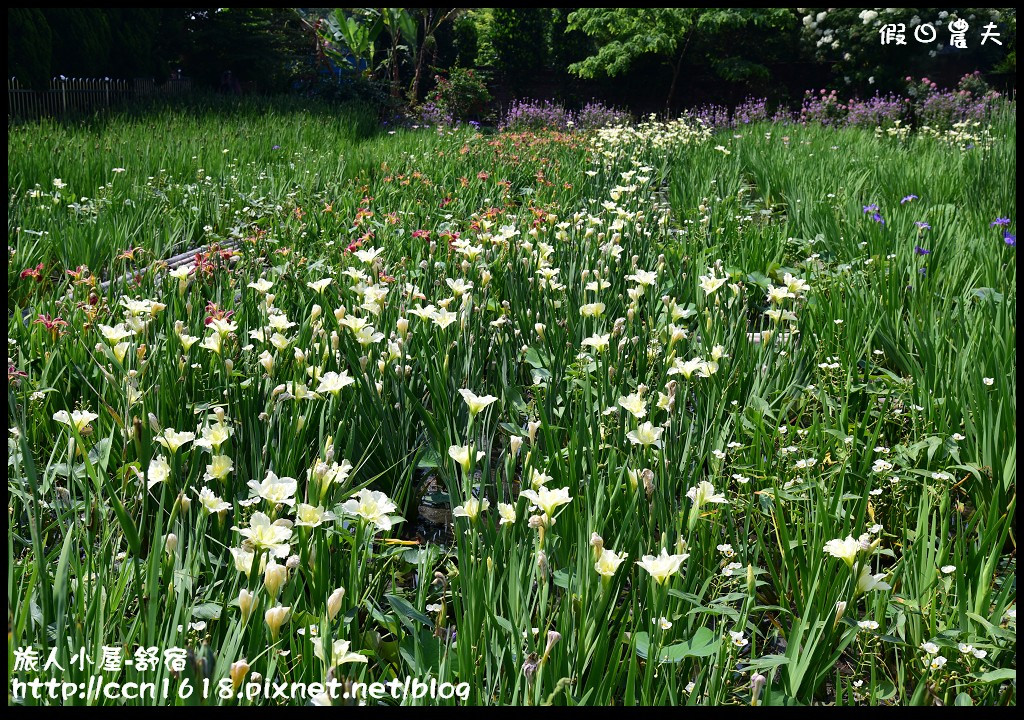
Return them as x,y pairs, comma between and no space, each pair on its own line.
647,415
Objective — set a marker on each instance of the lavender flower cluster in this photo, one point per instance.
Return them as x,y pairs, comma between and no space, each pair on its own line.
924,104
430,113
971,100
538,115
882,111
749,111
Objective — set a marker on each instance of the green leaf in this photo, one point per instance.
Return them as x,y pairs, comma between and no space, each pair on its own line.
778,699
437,499
536,359
994,631
429,460
759,279
207,611
561,578
515,400
987,294
403,608
767,662
60,581
427,647
427,554
997,675
702,644
131,534
504,623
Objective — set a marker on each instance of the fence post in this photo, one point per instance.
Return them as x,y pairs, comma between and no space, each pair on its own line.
63,95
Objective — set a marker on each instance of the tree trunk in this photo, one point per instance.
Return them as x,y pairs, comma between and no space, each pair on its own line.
672,87
414,96
675,73
429,28
395,77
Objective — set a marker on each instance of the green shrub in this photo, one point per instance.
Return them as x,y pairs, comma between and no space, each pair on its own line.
460,96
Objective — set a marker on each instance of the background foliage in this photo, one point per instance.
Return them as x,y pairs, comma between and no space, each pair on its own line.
643,58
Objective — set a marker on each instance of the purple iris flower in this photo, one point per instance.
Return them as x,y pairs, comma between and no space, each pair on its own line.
878,219
921,251
1010,239
923,271
923,225
276,147
999,222
907,199
873,207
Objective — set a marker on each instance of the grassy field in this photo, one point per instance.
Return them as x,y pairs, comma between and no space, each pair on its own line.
647,415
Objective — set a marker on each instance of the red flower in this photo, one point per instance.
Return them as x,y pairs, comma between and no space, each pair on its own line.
202,264
14,374
52,324
215,313
450,236
35,273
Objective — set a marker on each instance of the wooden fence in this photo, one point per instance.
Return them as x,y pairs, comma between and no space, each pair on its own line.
85,95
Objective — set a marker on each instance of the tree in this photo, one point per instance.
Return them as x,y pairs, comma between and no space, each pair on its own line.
93,42
135,33
849,39
350,40
81,41
351,37
567,46
520,38
401,29
264,46
29,44
1008,65
431,20
624,35
465,43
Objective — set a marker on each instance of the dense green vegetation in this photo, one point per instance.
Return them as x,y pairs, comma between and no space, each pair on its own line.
641,58
668,416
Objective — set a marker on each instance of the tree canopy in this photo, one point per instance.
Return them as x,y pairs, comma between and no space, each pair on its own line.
624,35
